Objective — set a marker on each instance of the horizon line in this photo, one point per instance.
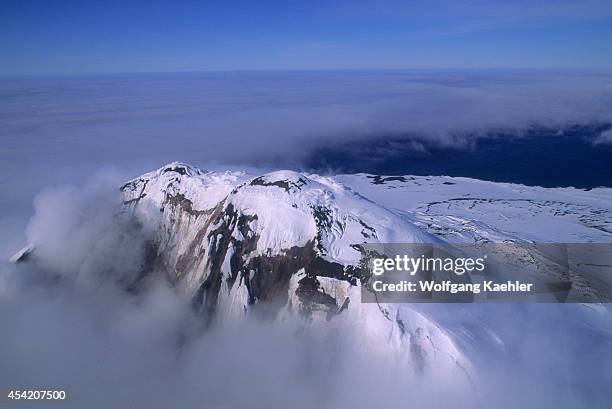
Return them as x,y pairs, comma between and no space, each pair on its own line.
599,71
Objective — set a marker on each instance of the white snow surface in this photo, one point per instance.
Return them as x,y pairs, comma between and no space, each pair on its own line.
461,209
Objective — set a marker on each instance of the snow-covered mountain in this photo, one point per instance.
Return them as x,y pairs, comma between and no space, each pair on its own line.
288,244
283,244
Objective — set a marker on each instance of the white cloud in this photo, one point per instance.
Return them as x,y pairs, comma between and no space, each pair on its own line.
604,138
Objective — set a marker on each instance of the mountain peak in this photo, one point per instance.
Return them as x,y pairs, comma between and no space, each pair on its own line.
181,168
285,179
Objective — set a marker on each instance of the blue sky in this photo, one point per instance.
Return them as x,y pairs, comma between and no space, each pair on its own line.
78,37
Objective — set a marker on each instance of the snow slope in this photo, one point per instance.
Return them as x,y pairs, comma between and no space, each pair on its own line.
467,210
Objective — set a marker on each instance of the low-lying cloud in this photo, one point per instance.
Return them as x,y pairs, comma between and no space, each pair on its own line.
80,234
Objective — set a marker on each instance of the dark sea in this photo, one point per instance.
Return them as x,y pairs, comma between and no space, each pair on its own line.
540,157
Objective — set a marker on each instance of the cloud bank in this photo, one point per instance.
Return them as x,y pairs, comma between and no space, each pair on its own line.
251,118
